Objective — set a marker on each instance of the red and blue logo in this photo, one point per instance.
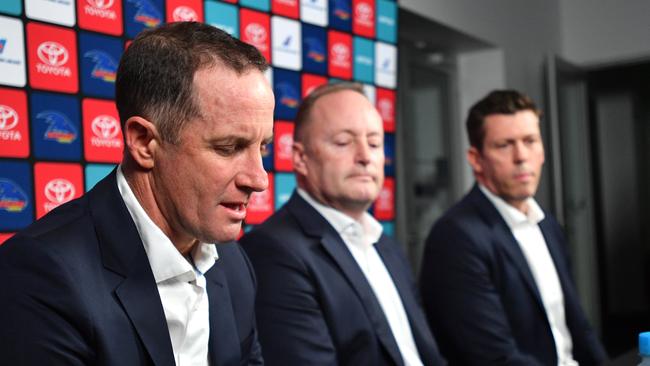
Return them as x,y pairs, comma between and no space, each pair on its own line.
16,207
141,15
99,61
287,96
56,126
314,49
340,15
12,197
59,129
105,66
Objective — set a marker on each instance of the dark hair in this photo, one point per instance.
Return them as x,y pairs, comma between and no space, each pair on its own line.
307,104
156,73
497,102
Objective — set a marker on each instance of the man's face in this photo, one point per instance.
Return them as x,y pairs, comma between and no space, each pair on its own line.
341,159
510,163
202,184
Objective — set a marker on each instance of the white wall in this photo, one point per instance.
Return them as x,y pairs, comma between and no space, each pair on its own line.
596,32
524,30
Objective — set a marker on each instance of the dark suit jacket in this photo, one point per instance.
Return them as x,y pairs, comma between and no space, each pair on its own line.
76,288
314,305
480,296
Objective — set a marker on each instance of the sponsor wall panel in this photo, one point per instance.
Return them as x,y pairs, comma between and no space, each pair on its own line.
59,128
58,12
104,16
11,7
12,52
184,10
56,184
283,145
56,126
16,197
52,58
14,124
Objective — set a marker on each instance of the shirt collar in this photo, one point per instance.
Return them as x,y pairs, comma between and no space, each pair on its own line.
511,215
165,260
368,227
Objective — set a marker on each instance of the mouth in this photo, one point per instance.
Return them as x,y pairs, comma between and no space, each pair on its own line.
364,177
237,210
523,177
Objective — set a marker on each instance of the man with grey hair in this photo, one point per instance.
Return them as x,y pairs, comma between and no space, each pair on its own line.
333,290
139,270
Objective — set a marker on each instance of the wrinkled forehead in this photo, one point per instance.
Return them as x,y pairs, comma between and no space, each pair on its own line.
346,111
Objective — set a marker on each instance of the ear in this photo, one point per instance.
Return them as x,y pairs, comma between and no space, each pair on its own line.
141,138
298,156
475,160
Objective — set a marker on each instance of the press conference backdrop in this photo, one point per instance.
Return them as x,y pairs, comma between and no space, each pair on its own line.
59,128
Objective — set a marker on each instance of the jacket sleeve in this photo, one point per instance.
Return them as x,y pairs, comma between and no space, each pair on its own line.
42,318
291,325
462,303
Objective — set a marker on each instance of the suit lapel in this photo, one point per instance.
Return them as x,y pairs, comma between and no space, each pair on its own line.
315,225
506,240
394,264
223,344
553,242
141,302
123,253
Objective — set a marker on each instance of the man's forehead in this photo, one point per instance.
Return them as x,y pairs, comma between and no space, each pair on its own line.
515,121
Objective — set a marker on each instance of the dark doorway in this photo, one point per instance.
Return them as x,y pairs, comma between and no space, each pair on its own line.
619,104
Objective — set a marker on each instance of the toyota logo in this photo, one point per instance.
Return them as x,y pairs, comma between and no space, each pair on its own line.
255,33
340,52
52,53
100,4
8,118
259,200
363,12
384,200
105,126
59,190
285,147
385,108
184,14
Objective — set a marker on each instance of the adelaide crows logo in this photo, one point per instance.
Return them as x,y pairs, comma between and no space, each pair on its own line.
288,95
315,49
147,13
12,197
105,65
60,128
342,9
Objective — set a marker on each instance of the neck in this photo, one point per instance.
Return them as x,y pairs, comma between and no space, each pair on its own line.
141,186
521,205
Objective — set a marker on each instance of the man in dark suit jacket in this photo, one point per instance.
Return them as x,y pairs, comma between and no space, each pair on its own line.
333,290
129,273
495,280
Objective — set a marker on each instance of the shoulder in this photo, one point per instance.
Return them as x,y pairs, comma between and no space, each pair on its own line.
64,234
282,232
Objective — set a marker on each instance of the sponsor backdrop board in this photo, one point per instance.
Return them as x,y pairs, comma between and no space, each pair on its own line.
59,129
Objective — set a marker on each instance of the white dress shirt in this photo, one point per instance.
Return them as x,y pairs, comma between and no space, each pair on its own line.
180,283
525,228
360,237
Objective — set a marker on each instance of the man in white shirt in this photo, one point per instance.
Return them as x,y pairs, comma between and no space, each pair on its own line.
333,290
139,270
495,279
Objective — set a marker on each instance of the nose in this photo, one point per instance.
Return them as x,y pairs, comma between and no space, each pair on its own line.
251,176
362,153
520,152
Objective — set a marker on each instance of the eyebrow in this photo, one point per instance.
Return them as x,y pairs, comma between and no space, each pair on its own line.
237,140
